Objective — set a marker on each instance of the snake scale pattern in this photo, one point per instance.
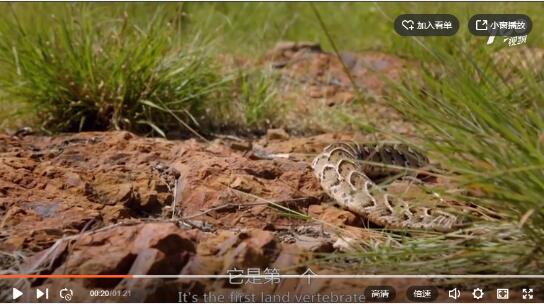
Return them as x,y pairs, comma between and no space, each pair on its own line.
347,172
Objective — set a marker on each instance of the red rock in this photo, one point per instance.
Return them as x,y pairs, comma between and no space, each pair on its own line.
138,249
315,210
338,216
276,134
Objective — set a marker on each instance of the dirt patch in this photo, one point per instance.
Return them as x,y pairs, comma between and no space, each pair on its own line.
326,75
319,85
54,186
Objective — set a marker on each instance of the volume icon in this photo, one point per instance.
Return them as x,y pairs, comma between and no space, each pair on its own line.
454,293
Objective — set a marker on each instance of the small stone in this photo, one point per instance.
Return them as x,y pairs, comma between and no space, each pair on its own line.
277,134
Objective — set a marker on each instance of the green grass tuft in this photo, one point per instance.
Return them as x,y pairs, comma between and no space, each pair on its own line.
258,99
79,71
483,121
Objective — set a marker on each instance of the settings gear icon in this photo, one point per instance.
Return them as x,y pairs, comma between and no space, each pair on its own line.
477,293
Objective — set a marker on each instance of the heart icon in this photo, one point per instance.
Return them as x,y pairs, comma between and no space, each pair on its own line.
408,24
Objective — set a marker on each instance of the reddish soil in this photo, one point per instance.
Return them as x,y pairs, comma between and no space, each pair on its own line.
324,74
313,80
101,203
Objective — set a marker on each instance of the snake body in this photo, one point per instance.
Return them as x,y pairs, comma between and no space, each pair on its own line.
347,171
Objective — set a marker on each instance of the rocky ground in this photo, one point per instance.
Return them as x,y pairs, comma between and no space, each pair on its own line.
117,203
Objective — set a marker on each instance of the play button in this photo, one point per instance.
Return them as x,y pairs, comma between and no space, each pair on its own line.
16,293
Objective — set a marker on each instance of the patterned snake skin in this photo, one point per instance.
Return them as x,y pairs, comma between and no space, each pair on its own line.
346,172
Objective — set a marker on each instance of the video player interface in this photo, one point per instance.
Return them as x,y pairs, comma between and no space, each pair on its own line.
272,152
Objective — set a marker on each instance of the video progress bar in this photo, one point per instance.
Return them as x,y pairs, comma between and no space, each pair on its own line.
281,276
